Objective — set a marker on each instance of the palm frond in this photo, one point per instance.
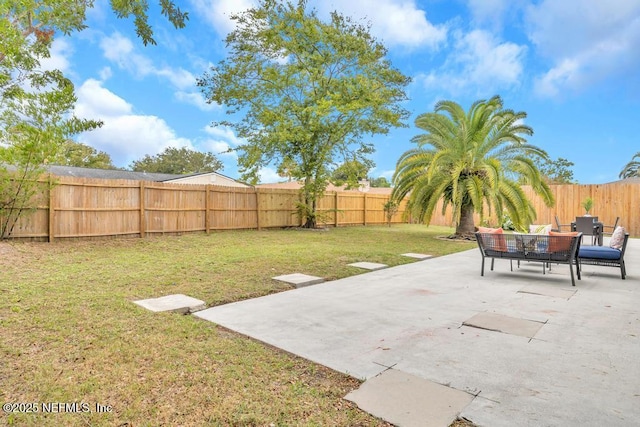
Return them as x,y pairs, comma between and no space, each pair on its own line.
631,169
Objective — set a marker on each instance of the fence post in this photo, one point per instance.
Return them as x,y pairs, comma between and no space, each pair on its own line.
336,210
143,219
257,207
51,211
364,217
207,209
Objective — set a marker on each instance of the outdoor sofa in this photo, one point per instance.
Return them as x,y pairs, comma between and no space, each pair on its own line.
558,248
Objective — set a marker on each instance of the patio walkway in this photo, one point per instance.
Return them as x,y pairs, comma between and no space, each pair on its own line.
529,349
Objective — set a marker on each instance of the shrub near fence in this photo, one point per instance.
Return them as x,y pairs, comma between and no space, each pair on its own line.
88,208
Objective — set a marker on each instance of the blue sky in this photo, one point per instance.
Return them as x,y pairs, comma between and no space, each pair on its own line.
571,65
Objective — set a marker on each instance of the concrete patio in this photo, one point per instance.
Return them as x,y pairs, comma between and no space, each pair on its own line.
527,349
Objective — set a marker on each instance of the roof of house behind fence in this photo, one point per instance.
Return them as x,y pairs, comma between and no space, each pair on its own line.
123,174
295,185
108,173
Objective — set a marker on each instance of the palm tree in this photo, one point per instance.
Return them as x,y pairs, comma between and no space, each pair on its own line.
472,160
632,168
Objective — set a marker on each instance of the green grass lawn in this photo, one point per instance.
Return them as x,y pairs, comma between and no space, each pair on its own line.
70,332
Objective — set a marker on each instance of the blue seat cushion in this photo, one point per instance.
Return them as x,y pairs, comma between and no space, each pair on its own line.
599,252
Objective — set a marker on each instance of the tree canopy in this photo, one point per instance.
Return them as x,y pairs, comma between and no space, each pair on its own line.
555,171
178,161
469,160
303,90
27,29
351,172
380,182
77,154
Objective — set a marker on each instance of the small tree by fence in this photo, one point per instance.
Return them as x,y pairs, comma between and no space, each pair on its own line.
390,209
18,193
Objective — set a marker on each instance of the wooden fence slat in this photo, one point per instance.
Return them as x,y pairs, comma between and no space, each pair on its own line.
51,228
143,214
207,209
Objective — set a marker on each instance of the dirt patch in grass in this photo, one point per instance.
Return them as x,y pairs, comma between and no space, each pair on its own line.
7,253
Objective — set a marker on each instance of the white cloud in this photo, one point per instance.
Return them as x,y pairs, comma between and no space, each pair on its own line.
561,75
587,41
569,27
117,48
180,78
218,12
120,50
225,134
196,98
395,22
487,60
95,101
268,175
222,142
478,60
125,136
495,13
105,73
220,148
60,52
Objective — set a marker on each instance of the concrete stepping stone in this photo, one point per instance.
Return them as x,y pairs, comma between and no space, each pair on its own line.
548,291
299,280
177,303
369,265
417,256
406,400
504,324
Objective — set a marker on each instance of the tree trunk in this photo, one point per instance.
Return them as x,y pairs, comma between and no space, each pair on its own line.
311,221
466,228
310,207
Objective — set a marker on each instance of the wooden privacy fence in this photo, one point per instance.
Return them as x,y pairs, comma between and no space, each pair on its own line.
616,199
87,208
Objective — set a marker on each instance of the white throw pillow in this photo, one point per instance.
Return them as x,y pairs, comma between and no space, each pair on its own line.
540,229
617,238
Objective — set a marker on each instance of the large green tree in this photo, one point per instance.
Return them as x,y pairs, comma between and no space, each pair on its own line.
631,169
77,154
305,90
380,182
178,161
471,160
36,104
555,171
351,172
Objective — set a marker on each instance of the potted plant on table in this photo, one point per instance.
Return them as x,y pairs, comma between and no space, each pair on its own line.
587,204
